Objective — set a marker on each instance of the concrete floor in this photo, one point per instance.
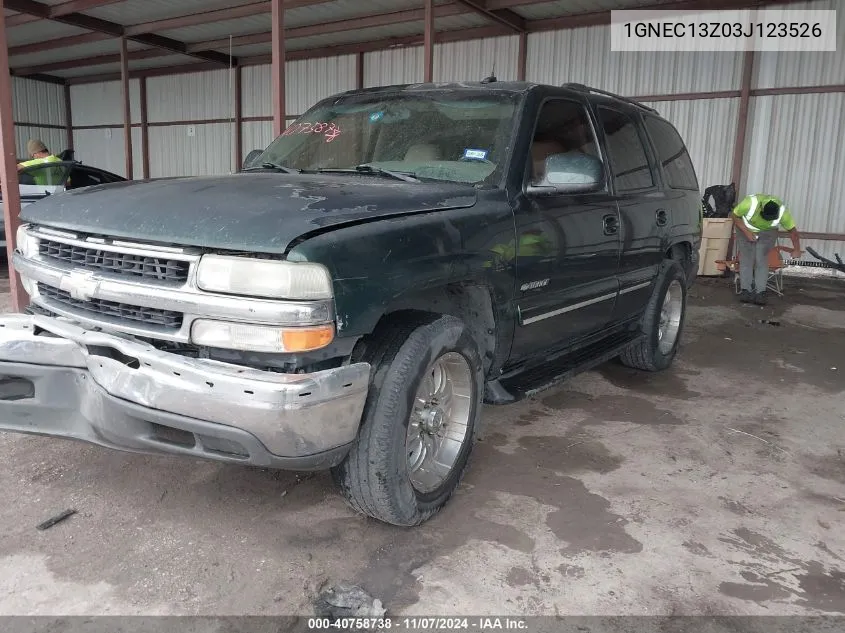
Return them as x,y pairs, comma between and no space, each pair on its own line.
715,488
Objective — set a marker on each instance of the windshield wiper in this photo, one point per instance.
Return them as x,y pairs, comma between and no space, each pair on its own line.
376,171
275,167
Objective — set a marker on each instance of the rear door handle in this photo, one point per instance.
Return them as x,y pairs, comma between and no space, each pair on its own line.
662,217
611,224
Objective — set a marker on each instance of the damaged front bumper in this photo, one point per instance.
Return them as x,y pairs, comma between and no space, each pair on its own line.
61,380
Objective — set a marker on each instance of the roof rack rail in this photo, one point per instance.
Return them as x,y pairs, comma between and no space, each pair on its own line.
583,88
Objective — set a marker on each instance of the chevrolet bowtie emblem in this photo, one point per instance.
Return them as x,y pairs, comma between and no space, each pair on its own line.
81,284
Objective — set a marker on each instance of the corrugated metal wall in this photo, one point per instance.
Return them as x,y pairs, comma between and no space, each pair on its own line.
708,127
788,70
476,59
54,139
102,103
306,82
256,135
453,61
796,150
191,96
38,104
394,66
584,56
104,148
174,153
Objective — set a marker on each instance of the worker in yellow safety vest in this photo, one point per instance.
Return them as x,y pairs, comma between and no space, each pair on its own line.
758,219
39,154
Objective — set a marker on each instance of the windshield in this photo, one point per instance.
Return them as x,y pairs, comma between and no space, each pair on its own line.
459,137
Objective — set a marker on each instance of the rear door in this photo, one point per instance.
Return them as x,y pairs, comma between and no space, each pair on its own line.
680,184
645,216
567,248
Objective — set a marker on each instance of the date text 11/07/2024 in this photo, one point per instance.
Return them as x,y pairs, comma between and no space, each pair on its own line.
413,624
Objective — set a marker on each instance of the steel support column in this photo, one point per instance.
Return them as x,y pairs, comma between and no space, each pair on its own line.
238,158
741,128
522,56
278,66
742,117
428,41
127,110
9,167
359,70
145,130
68,118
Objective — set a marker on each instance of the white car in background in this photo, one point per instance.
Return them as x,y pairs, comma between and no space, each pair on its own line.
39,181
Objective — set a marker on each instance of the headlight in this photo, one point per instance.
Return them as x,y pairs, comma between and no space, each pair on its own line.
260,338
264,278
26,244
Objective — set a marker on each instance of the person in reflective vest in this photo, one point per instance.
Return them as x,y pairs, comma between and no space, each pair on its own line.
758,219
39,154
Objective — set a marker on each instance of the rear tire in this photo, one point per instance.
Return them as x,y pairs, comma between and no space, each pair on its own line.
663,322
419,421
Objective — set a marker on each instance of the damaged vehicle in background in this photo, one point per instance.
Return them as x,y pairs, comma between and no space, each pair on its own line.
39,181
395,258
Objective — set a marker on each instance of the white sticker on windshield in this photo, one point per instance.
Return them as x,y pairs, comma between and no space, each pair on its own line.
475,154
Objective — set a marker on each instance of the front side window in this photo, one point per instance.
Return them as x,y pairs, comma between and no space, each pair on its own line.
562,127
442,135
626,151
44,174
673,154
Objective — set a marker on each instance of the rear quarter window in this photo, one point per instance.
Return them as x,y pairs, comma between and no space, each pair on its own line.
672,153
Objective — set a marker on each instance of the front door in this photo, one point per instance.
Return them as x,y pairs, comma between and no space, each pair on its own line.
567,247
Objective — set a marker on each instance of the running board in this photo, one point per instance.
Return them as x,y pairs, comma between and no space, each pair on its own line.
521,385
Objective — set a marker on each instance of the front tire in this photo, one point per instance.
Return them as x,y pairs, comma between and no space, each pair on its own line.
419,421
663,322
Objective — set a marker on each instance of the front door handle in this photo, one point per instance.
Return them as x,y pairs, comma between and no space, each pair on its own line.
662,217
611,224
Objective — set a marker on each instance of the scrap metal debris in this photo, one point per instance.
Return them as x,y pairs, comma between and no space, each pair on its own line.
56,519
347,601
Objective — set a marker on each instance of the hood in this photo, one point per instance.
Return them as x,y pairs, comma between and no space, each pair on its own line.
255,212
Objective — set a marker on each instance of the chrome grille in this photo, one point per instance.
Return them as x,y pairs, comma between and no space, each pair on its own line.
112,309
142,266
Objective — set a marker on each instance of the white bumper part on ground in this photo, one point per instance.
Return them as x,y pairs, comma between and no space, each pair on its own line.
59,379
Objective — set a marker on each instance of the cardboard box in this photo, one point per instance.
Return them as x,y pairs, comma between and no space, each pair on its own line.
717,227
712,250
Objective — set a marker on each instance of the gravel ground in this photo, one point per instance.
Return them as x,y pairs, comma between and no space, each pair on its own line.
717,487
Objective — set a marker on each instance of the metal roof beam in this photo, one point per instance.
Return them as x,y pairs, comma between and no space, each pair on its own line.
115,30
97,60
214,15
309,53
47,79
63,8
370,21
59,42
505,17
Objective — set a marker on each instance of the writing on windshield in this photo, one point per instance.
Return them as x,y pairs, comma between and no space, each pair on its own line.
451,135
330,130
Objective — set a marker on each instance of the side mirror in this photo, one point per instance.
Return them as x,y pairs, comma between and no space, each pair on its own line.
250,158
572,172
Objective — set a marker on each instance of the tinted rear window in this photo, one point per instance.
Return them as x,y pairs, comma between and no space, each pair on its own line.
625,149
673,155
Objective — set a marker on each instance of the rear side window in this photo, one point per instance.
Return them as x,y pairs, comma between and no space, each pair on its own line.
673,154
626,151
